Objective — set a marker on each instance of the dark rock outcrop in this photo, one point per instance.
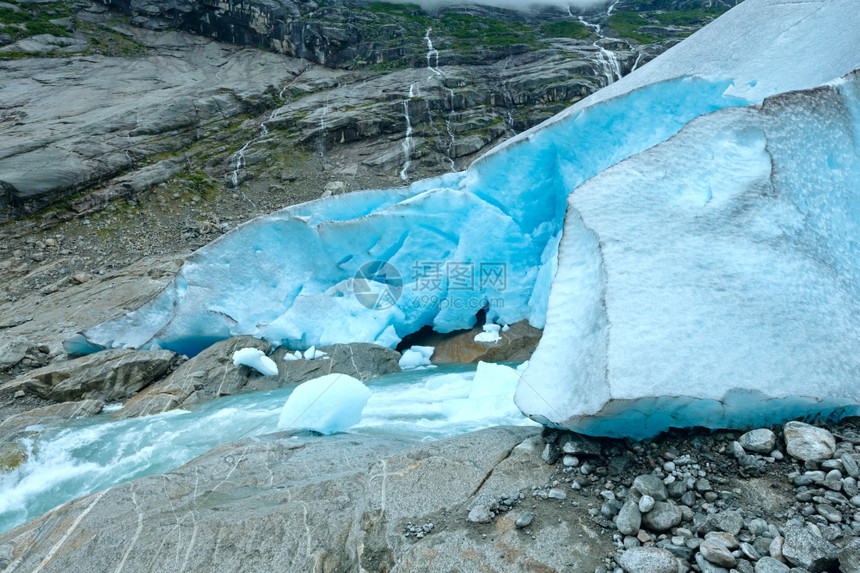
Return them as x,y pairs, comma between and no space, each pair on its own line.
107,376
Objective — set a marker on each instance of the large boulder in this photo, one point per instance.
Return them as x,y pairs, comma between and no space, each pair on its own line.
16,425
808,443
360,360
515,344
805,548
107,376
208,375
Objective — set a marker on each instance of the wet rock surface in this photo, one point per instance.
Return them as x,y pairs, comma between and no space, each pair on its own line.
107,376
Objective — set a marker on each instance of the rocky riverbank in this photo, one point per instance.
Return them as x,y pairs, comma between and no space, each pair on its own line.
503,499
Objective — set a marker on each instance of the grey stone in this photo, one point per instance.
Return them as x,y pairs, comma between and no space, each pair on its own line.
676,489
759,441
524,520
833,480
648,560
808,443
664,516
774,548
717,553
803,548
48,415
480,514
749,551
829,512
849,557
707,567
770,565
557,493
736,449
651,485
551,453
728,521
680,551
757,526
109,376
646,503
726,539
629,519
12,352
850,465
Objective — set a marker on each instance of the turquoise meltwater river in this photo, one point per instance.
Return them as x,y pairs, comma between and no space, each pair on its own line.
80,457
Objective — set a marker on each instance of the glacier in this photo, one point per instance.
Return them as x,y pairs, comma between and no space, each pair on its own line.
509,236
714,279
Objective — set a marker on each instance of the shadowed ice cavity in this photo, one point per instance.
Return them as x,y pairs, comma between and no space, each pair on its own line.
288,277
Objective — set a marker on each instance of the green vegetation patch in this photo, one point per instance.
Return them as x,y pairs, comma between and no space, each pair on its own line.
627,24
567,29
469,31
34,22
689,17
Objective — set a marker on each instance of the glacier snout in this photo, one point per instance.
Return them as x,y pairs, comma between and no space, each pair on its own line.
714,279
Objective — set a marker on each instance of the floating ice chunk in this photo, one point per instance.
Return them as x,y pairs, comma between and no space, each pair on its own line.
290,356
416,357
492,389
490,334
506,328
327,405
257,360
313,354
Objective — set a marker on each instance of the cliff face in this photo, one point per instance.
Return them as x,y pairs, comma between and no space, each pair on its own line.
346,80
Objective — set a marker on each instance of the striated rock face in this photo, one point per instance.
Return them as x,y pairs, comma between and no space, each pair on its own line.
167,101
287,502
479,75
106,376
14,426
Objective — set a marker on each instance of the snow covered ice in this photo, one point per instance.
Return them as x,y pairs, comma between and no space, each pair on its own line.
257,360
727,262
295,277
490,334
328,404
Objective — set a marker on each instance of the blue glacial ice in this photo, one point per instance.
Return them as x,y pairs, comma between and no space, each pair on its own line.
714,279
300,276
328,404
289,277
